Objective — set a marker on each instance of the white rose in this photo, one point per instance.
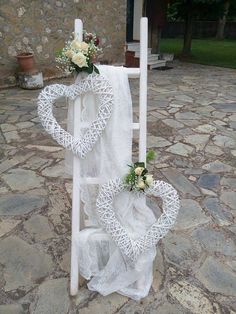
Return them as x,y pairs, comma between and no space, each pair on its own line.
69,53
84,46
149,179
138,171
141,184
79,45
80,60
75,44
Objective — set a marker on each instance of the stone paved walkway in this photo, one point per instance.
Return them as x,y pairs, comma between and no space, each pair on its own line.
191,125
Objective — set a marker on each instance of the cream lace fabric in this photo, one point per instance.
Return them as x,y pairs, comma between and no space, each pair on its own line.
101,261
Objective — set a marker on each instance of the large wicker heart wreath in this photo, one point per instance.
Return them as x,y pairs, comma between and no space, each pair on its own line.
96,84
129,247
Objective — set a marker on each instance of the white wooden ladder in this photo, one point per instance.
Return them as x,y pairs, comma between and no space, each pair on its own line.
140,73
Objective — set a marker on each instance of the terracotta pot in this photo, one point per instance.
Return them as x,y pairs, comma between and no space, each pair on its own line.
26,61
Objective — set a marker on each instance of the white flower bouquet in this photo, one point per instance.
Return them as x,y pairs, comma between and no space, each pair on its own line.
78,56
138,178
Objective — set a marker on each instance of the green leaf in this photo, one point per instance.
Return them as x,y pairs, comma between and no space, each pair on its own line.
96,69
145,171
139,164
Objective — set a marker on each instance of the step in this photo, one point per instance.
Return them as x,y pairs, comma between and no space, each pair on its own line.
151,58
136,48
150,55
157,64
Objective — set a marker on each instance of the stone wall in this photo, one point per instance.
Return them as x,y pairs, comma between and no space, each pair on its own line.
44,25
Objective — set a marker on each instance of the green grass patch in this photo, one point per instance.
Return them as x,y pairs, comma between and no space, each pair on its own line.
205,51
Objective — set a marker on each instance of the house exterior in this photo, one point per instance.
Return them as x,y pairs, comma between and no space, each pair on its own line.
44,26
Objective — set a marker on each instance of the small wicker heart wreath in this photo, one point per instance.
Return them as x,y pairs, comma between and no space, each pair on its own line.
129,247
94,83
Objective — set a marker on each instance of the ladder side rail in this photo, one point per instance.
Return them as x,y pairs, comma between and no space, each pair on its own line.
143,89
74,278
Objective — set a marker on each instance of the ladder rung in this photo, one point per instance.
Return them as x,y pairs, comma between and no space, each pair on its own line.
136,126
84,125
90,180
133,72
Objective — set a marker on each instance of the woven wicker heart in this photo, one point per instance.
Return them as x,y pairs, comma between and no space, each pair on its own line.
96,84
129,247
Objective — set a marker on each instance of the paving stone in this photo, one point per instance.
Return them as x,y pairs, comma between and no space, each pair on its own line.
194,171
226,107
205,128
83,297
173,123
3,190
217,167
157,115
217,212
52,297
214,150
231,182
209,181
173,110
165,308
39,228
218,114
65,261
184,98
57,170
36,162
224,141
215,241
44,148
190,215
132,307
23,180
6,225
12,309
220,122
217,277
12,136
6,127
24,125
180,149
232,117
229,198
105,305
24,265
157,141
192,298
180,182
180,250
15,160
232,125
187,116
13,118
20,204
190,123
199,141
207,192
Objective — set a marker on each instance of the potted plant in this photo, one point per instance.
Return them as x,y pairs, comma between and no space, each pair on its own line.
26,60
